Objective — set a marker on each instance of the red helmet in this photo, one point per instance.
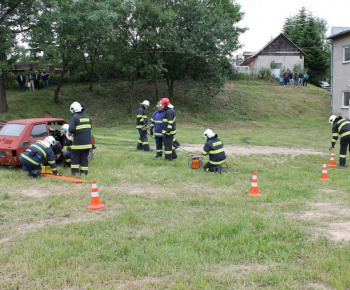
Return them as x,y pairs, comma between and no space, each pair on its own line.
165,102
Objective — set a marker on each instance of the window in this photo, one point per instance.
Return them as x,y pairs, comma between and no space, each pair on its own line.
12,130
39,131
347,53
346,97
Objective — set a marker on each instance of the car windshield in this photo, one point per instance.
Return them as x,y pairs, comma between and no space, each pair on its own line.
12,130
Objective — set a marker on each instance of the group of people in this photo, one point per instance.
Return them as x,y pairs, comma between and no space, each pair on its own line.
76,139
294,79
163,127
35,80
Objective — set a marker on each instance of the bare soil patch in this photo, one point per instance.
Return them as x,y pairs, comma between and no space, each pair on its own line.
247,150
331,220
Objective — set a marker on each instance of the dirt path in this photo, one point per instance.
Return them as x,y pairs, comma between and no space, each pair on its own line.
247,150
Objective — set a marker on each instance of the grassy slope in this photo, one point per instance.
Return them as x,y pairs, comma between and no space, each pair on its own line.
167,226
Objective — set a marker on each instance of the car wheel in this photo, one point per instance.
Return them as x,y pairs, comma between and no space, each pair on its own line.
91,154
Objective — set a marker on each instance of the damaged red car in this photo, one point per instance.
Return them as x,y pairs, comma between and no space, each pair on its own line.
16,136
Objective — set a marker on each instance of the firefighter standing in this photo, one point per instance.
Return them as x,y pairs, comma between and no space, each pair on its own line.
215,148
67,144
80,127
156,128
37,153
142,126
340,127
168,130
176,144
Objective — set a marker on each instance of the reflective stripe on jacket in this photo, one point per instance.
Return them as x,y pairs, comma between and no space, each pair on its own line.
215,148
80,126
38,152
169,122
156,122
141,117
340,128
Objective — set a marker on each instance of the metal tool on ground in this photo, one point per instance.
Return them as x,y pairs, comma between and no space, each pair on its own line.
254,190
324,175
95,198
332,161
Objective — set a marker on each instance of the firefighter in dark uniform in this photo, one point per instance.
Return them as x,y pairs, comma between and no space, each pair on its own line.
67,141
39,152
168,130
215,148
340,127
142,126
80,127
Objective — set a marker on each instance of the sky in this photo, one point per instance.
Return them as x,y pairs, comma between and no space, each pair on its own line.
265,18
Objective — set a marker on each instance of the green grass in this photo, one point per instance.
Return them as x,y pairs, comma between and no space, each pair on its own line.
168,226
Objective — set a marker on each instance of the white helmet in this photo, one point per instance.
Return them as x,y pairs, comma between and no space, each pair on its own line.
65,128
145,103
159,104
51,140
75,108
208,134
332,119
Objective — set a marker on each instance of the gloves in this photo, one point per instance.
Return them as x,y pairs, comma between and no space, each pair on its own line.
166,135
151,132
330,148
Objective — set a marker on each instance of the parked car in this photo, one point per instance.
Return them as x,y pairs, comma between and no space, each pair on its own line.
16,136
324,85
242,69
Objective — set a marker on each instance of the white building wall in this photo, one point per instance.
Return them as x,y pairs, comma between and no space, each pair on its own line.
341,76
264,61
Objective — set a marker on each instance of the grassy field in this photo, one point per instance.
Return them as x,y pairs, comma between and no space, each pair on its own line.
166,226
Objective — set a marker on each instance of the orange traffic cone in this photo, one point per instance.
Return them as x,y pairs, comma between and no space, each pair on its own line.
331,161
95,199
254,190
324,175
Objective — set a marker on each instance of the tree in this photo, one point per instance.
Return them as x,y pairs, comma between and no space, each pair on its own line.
15,17
309,33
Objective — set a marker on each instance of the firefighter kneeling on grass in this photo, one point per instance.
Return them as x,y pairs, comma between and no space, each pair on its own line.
80,127
340,127
39,152
215,148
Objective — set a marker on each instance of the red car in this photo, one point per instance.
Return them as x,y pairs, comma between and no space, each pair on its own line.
16,136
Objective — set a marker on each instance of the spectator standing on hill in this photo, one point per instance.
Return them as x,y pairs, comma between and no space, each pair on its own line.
45,77
291,80
31,81
156,128
21,79
305,79
285,78
142,126
296,77
80,127
340,127
301,77
37,79
281,81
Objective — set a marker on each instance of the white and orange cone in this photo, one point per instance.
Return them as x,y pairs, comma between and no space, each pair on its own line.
324,175
254,189
95,198
332,161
